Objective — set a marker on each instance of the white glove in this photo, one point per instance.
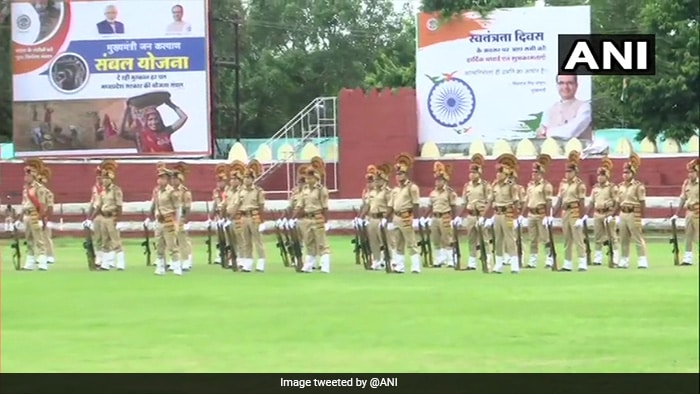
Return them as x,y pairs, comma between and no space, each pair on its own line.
521,220
279,223
617,219
120,226
87,223
186,227
578,223
356,223
365,222
209,223
516,223
488,222
425,221
585,218
674,217
416,223
327,226
261,227
390,226
609,219
292,223
383,222
227,223
91,226
481,221
457,221
146,222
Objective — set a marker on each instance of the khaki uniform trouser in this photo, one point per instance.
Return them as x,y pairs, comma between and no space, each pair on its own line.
473,236
97,236
537,232
692,220
504,234
34,235
375,239
441,231
166,235
313,232
111,240
250,237
404,235
184,243
48,241
600,235
631,231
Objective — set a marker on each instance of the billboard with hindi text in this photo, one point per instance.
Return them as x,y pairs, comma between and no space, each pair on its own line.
110,78
494,77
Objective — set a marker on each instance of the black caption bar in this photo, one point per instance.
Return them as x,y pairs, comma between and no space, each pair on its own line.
348,383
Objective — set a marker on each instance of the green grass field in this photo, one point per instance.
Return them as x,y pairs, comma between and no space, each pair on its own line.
212,320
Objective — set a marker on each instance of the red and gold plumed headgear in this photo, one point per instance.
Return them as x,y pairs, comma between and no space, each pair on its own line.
507,164
477,164
384,171
301,173
442,171
403,163
254,169
109,169
180,170
606,166
33,167
572,161
693,165
317,168
633,164
371,172
540,165
221,172
236,169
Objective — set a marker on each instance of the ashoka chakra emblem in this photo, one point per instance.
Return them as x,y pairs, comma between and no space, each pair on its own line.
451,102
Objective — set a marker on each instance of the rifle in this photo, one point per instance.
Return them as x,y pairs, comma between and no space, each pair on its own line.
609,243
456,251
146,244
288,244
296,248
519,243
492,232
426,249
483,257
208,241
281,245
586,242
386,252
674,243
357,249
221,243
364,243
552,247
16,249
230,237
89,247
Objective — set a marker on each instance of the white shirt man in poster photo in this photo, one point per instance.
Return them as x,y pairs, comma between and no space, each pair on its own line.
568,118
178,26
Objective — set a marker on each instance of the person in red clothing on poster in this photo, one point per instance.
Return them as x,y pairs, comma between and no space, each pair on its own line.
144,125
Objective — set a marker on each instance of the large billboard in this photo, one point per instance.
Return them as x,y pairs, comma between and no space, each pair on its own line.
110,78
495,77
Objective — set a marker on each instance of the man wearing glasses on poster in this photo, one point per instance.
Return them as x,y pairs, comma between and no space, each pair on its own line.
568,118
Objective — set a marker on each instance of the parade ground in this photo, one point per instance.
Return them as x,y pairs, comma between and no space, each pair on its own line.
213,320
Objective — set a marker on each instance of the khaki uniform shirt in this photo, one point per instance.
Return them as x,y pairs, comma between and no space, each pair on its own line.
95,197
379,200
185,198
231,200
442,201
167,203
218,196
537,195
476,196
313,199
632,194
571,192
111,200
34,199
296,195
49,200
604,197
691,193
250,199
404,197
504,194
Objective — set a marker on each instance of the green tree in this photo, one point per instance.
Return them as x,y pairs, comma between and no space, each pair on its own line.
395,65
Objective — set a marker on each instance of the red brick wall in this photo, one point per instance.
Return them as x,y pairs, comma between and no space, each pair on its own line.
374,126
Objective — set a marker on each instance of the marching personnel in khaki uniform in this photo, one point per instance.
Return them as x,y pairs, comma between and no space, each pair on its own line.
505,197
518,208
110,207
166,209
233,224
476,196
570,199
405,198
377,210
632,195
690,200
604,204
294,198
183,240
218,198
538,199
369,187
95,224
44,177
443,203
312,206
33,211
250,206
